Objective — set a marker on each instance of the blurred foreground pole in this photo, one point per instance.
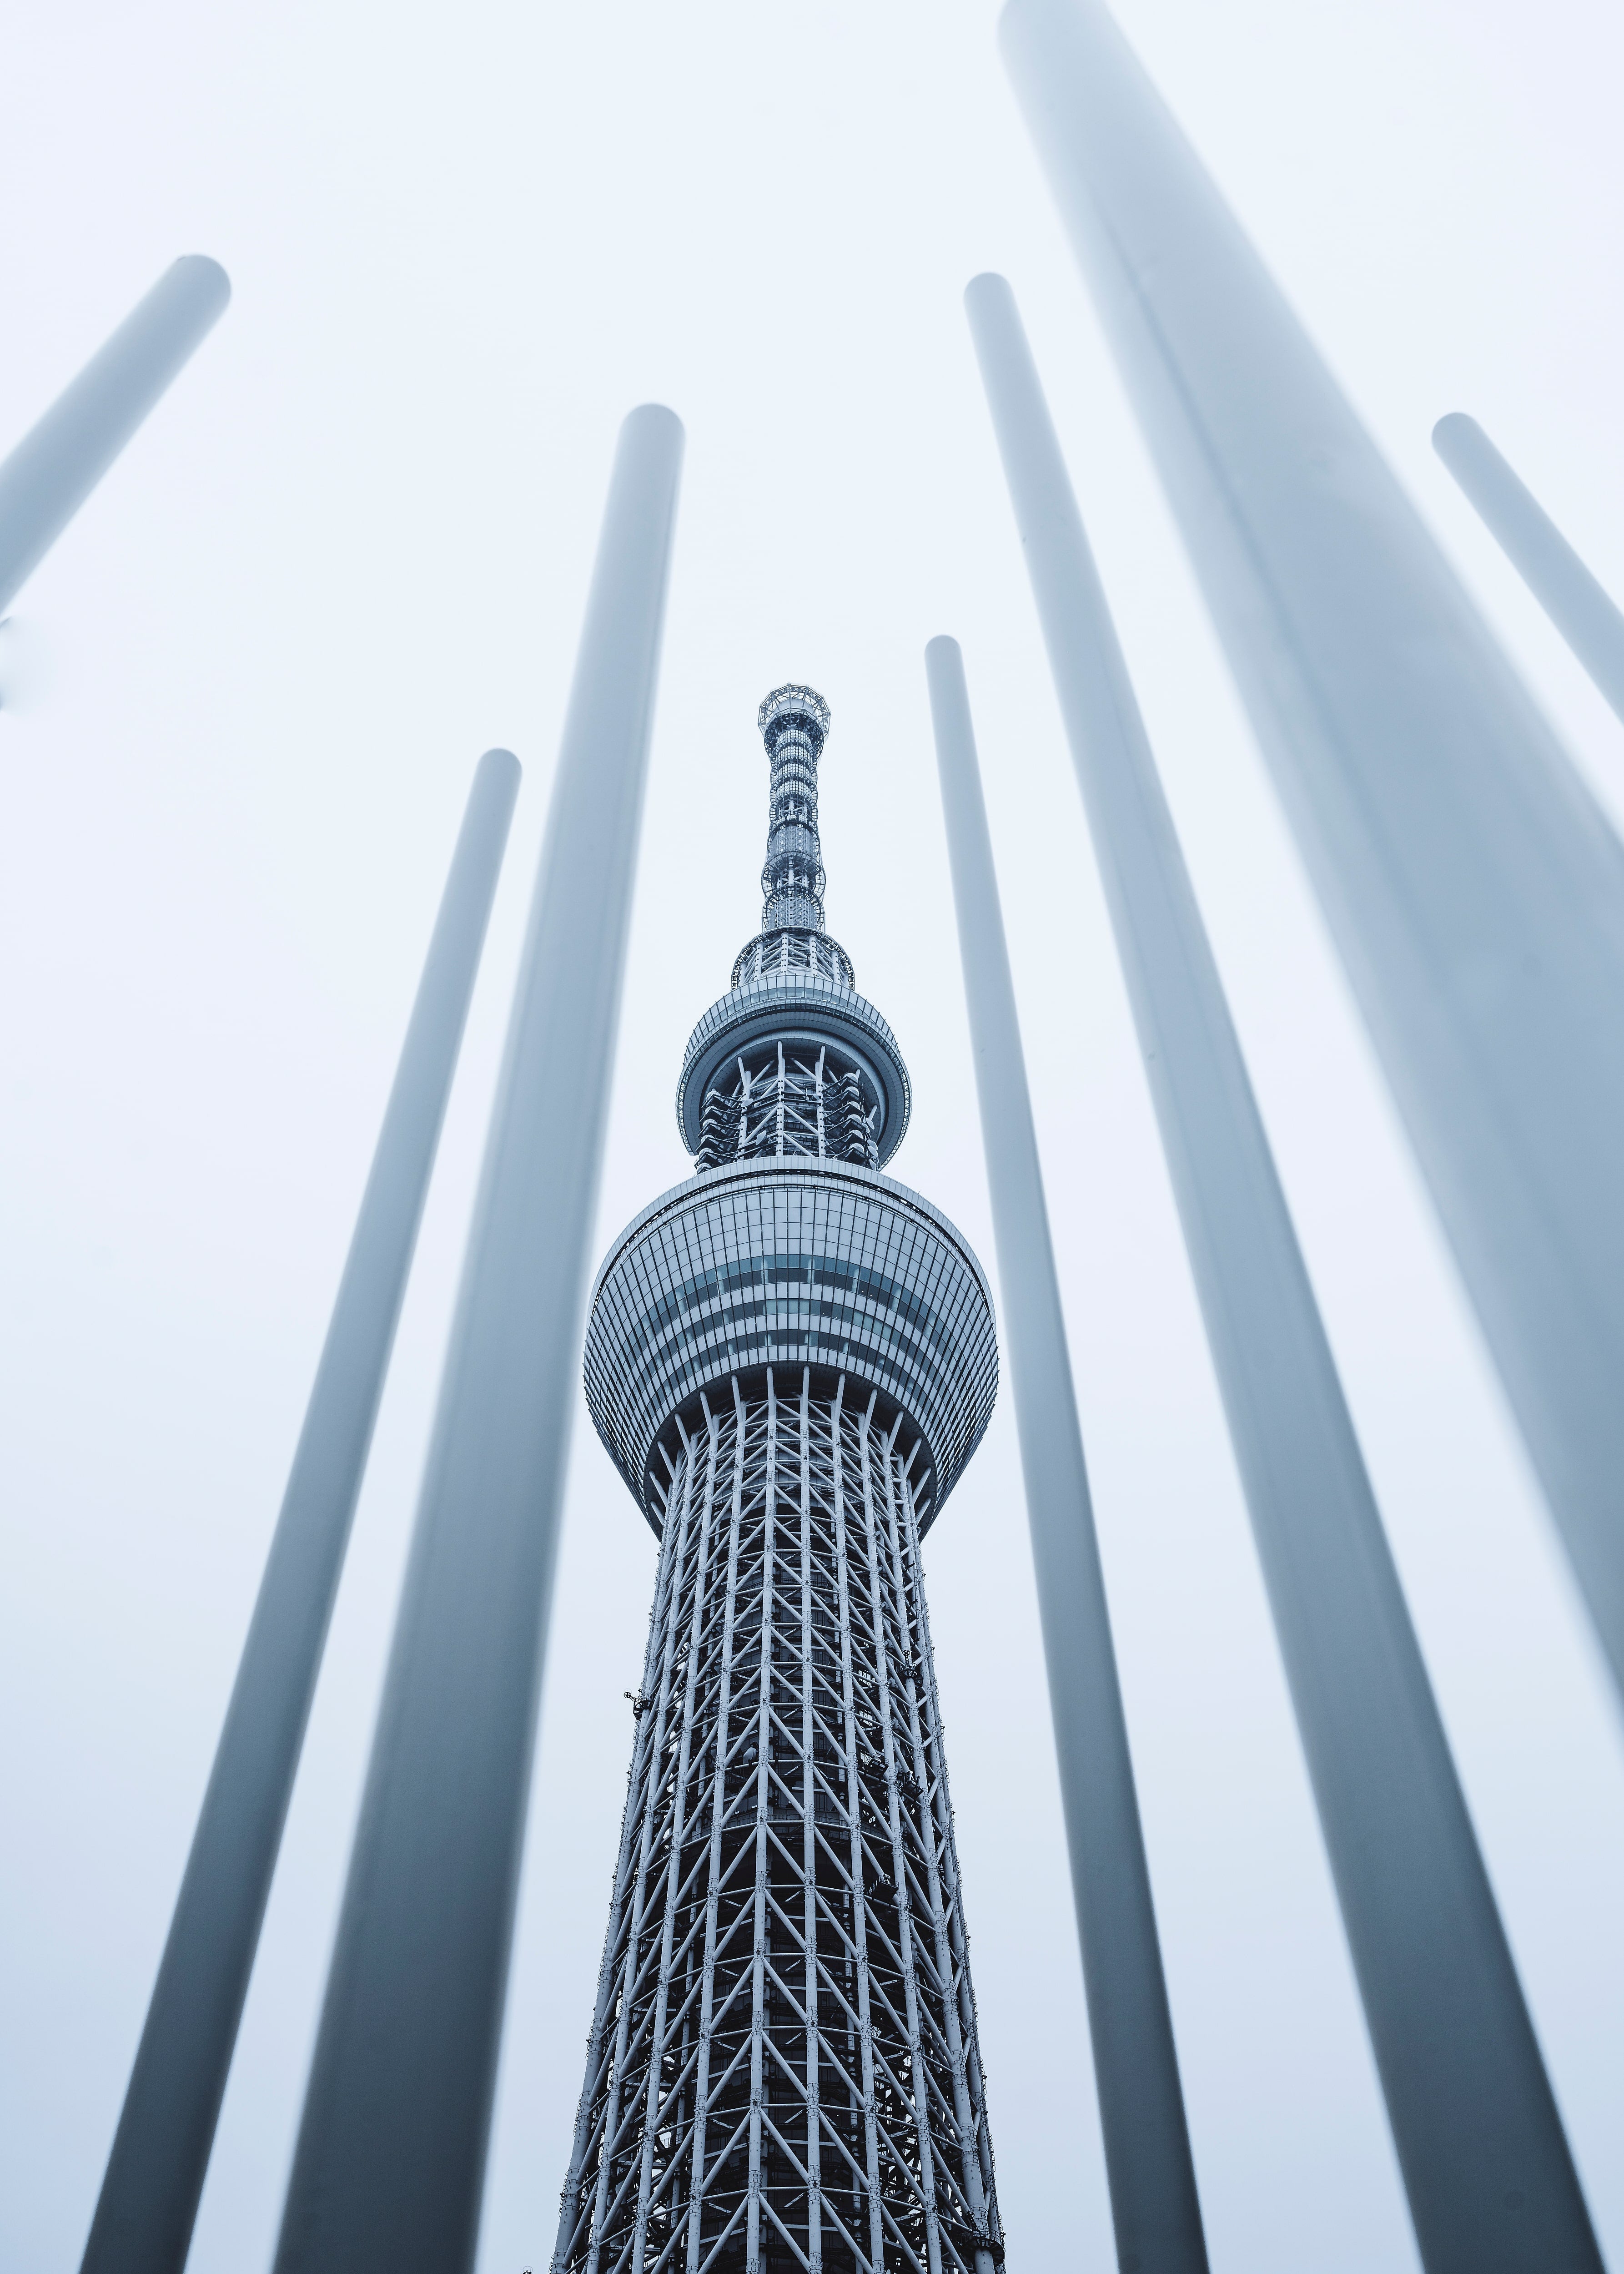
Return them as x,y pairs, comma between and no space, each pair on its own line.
1155,2207
1558,580
59,462
387,2174
1491,2183
155,2176
1473,886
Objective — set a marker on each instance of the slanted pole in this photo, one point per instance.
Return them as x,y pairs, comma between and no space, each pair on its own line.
1155,2210
1580,608
390,2161
61,459
155,2175
1491,2183
1473,886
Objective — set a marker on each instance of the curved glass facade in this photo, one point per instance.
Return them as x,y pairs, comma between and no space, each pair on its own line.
766,1264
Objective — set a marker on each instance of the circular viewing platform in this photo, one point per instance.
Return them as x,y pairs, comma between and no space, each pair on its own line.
796,1005
782,1265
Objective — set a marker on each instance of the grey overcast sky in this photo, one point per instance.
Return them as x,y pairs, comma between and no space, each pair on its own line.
241,703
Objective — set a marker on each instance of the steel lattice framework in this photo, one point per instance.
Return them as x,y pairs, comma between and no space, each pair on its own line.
783,2068
791,1359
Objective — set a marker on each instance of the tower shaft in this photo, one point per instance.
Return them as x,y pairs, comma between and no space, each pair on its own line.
783,2056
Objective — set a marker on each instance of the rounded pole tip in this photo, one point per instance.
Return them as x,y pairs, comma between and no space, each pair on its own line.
1453,428
655,418
205,277
501,766
989,285
942,649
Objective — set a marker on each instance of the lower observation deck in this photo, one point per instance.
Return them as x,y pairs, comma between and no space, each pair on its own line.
793,1263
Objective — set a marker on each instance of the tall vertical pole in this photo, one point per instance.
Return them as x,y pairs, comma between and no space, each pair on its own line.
155,2175
1155,2207
1580,608
1473,886
61,459
1491,2182
390,2161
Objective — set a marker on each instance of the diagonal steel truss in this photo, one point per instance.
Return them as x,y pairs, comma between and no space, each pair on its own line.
771,1102
782,2069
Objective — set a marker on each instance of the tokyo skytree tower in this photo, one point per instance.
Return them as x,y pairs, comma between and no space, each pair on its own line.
790,1358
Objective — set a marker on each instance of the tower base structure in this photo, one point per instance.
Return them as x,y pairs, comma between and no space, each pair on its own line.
784,2066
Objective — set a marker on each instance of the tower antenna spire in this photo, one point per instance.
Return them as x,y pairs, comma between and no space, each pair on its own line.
793,723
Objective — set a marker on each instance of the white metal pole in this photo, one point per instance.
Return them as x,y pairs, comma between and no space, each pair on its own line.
1581,609
390,2161
155,2174
1491,2183
1474,887
1154,2206
61,459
